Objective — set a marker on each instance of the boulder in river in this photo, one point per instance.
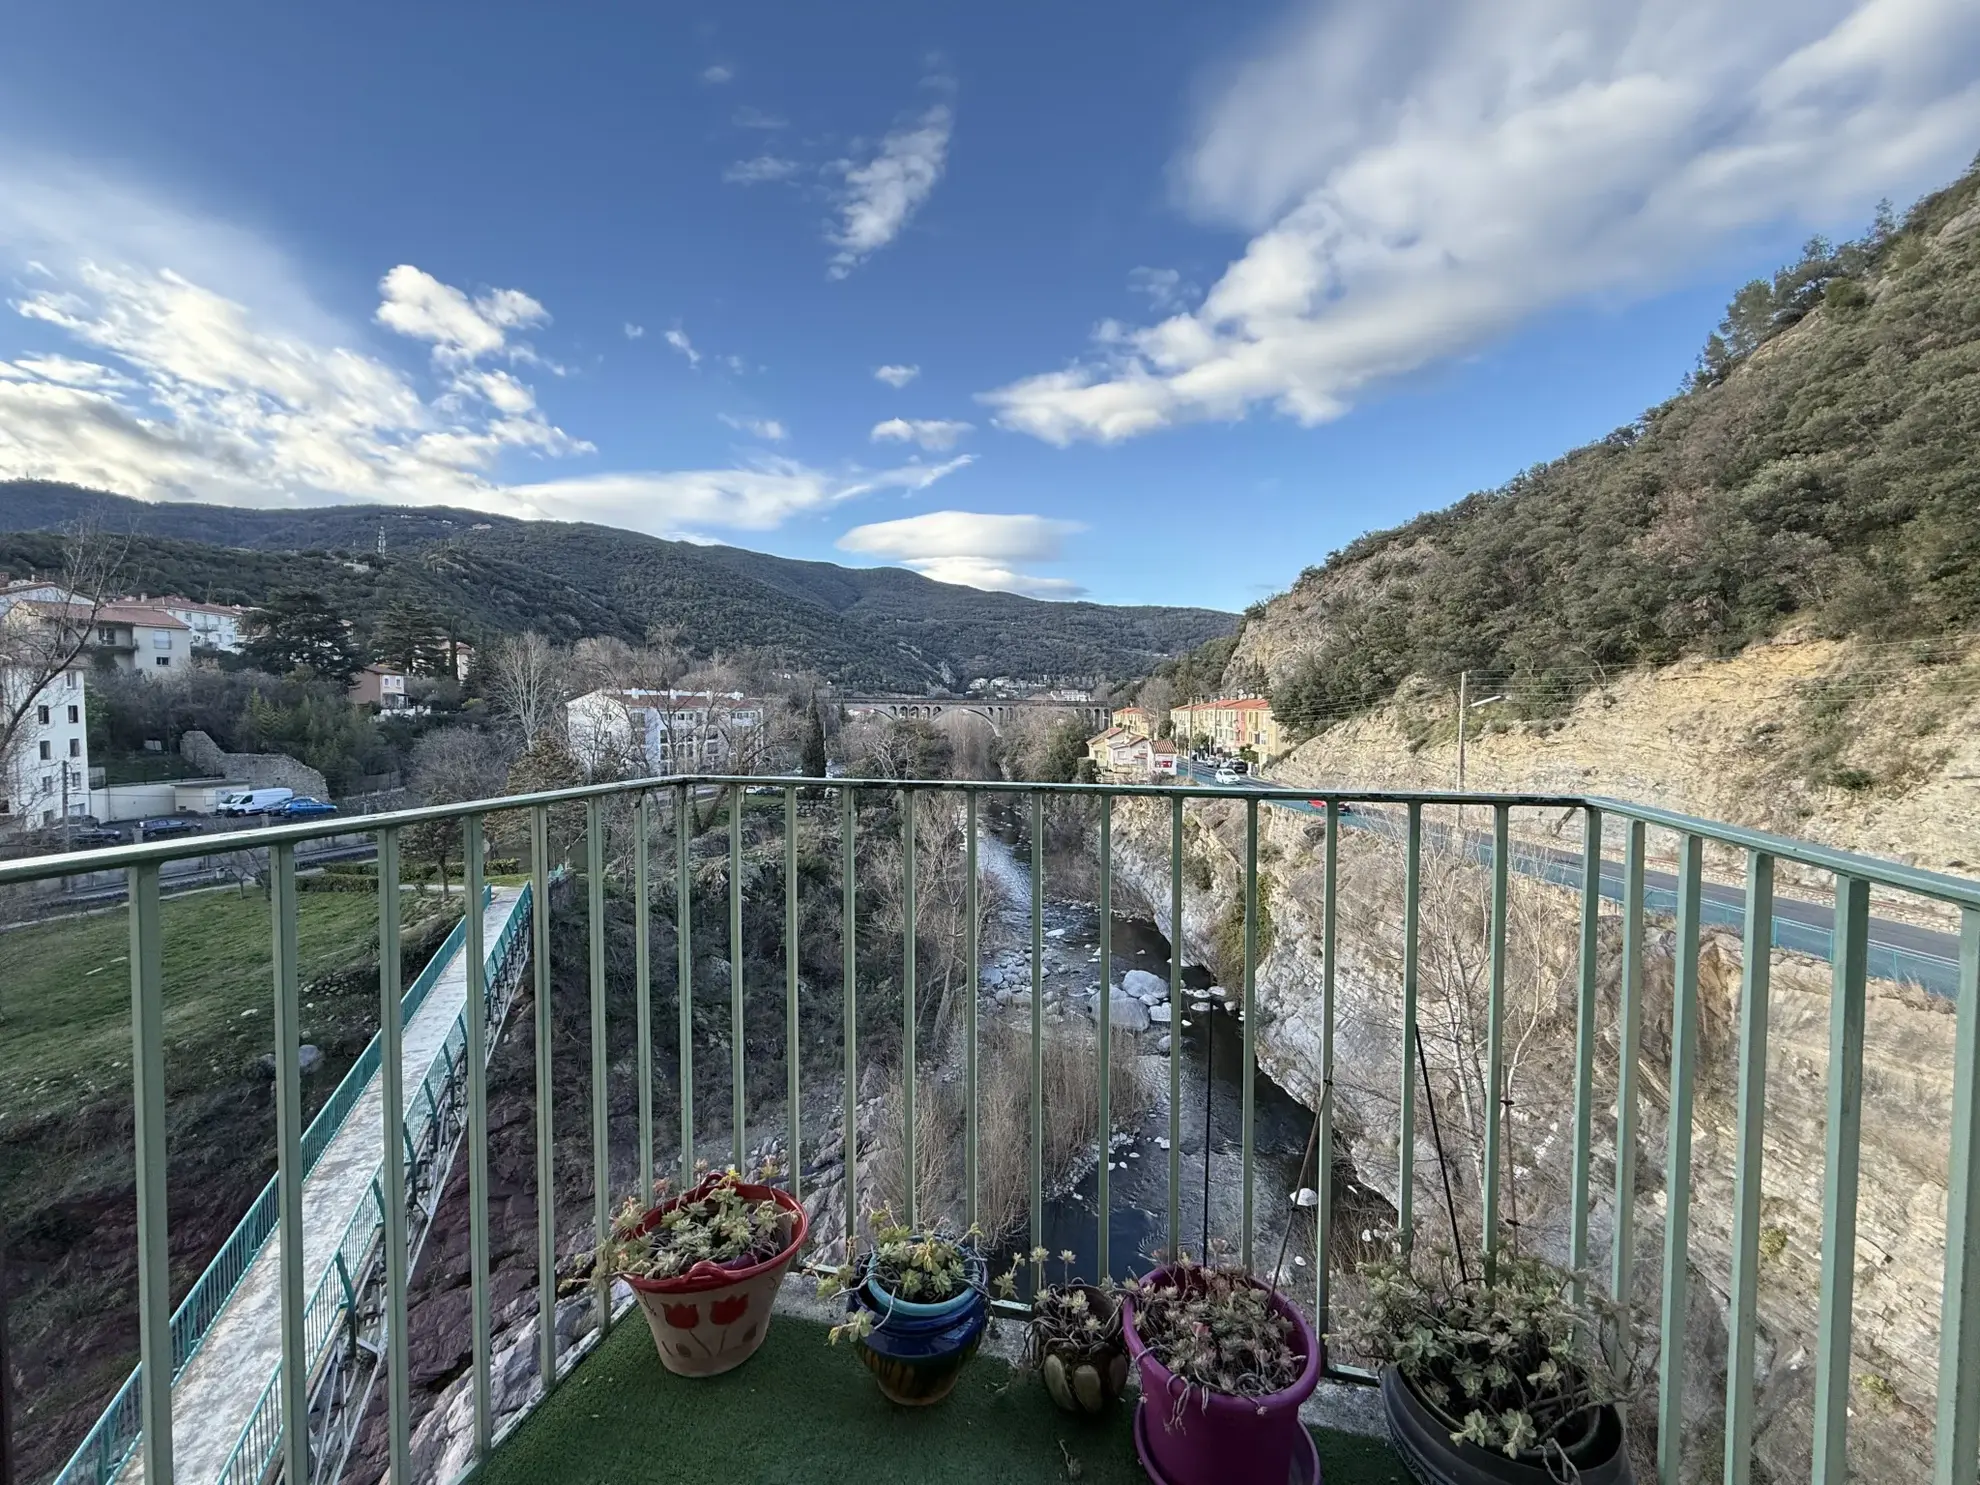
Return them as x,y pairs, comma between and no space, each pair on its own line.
1144,986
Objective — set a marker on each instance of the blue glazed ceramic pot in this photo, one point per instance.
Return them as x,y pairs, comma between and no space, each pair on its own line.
916,1352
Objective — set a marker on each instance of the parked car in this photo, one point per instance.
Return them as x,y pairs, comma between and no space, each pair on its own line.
165,827
1226,776
302,807
95,835
254,801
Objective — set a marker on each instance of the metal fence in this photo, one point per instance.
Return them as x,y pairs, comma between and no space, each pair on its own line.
282,1425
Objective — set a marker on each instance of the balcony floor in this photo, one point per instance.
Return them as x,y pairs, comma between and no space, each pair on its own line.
802,1413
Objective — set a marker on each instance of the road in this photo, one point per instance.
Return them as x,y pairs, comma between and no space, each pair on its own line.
1900,951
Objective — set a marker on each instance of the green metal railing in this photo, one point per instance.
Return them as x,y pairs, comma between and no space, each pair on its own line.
281,1425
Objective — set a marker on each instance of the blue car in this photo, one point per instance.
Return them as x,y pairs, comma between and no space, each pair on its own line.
302,807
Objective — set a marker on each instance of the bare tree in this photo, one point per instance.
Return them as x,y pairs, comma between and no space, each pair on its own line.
525,682
448,766
44,634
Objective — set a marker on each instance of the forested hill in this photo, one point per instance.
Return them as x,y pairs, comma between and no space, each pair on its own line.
1821,467
882,628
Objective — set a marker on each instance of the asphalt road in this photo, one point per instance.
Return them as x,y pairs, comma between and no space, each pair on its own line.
1897,950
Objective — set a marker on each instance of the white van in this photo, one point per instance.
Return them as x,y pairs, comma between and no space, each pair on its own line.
254,801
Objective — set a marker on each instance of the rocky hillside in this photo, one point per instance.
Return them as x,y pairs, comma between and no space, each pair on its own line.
1816,474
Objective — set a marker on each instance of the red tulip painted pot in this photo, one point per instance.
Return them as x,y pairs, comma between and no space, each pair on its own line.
712,1318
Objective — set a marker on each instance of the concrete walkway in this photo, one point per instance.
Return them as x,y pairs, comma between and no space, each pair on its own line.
217,1393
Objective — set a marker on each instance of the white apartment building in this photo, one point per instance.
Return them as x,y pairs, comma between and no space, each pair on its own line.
133,636
214,626
48,774
665,732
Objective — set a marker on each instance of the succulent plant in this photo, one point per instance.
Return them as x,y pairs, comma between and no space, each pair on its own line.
1513,1364
924,1268
1074,1339
714,1222
1216,1328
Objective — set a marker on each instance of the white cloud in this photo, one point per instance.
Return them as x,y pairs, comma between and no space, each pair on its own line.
418,305
755,118
882,193
896,376
971,548
757,171
717,75
768,429
677,338
1163,286
632,331
930,433
1419,178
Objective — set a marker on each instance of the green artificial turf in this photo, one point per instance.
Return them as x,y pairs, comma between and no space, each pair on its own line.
800,1412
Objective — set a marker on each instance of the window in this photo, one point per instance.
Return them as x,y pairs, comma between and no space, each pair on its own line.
75,747
41,715
106,635
161,639
47,750
75,715
48,783
164,660
69,679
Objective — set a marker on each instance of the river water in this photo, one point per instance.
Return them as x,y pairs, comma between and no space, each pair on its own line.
1212,1090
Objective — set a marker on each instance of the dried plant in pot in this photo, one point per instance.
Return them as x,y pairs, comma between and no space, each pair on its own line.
705,1266
917,1304
1225,1362
1073,1340
1506,1378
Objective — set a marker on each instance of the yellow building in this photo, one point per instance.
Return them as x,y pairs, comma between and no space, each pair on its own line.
1229,725
1138,721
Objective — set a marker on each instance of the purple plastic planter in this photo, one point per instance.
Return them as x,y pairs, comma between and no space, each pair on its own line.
1217,1439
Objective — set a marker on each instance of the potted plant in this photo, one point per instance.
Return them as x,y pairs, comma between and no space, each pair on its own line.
1074,1340
1502,1379
917,1306
1225,1363
705,1266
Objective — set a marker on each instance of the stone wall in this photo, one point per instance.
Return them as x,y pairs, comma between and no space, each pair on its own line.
256,770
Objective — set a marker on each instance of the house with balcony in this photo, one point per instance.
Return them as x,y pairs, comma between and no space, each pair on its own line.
120,634
662,732
1229,726
219,627
379,687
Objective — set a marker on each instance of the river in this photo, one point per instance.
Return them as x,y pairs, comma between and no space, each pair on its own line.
1212,1090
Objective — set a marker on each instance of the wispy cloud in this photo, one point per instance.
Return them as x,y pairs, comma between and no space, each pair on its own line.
1164,287
896,376
767,429
755,118
677,338
632,331
883,192
761,169
930,433
973,549
718,74
1419,177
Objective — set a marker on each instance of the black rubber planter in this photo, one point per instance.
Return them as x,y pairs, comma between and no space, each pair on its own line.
1426,1447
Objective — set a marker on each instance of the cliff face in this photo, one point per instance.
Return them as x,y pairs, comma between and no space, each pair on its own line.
1907,1082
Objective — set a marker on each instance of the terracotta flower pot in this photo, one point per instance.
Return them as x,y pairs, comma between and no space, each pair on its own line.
713,1317
1213,1438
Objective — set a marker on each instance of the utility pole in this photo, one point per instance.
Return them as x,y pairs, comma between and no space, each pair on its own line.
1464,690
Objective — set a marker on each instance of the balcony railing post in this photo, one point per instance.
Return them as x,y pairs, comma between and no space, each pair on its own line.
155,1360
794,1150
1248,1108
1740,1323
1323,1141
910,920
643,987
1958,1434
1629,1040
546,1151
1412,920
1037,1034
1584,1047
1845,1125
738,1049
849,947
1495,1050
392,1185
684,969
972,908
1104,1017
294,1383
601,1127
475,955
1677,1163
1175,1022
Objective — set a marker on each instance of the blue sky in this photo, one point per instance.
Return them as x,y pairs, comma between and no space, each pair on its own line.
1191,295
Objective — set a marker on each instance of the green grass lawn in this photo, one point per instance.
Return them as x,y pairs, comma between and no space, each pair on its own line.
802,1411
65,995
